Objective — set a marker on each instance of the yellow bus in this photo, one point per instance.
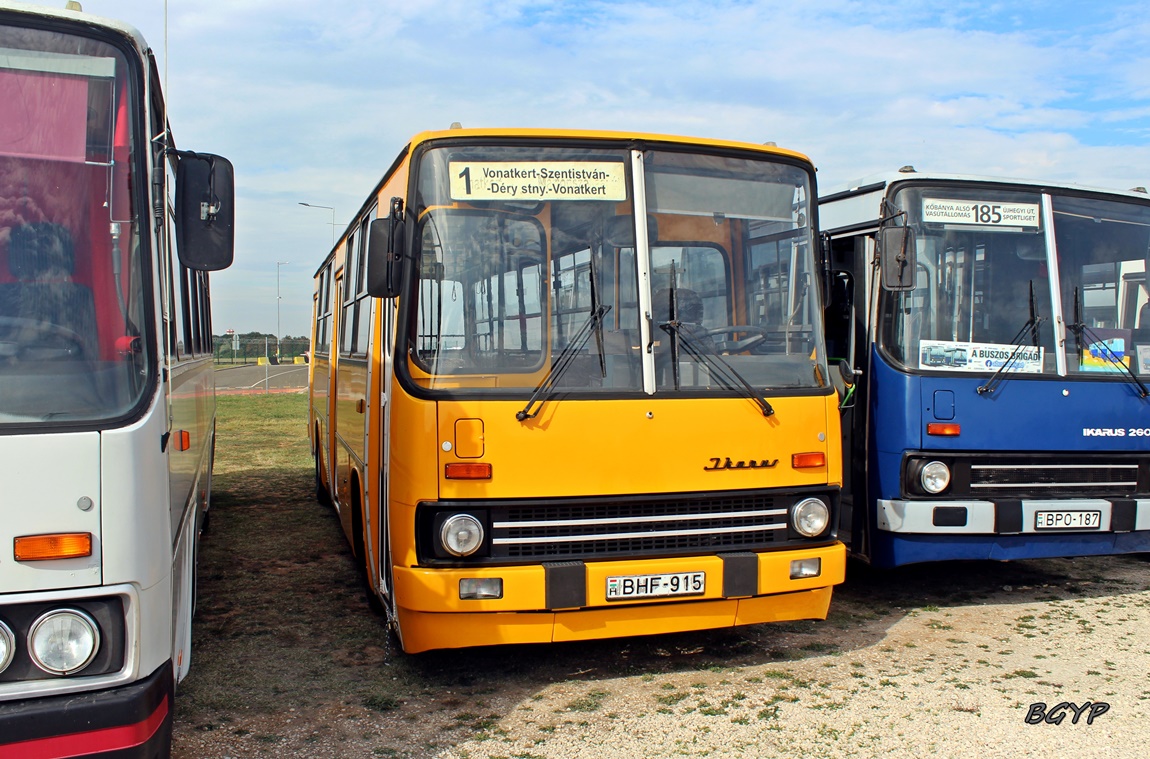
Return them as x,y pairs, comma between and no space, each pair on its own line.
571,385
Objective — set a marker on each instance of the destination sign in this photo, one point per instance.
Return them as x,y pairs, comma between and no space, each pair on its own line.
980,212
538,180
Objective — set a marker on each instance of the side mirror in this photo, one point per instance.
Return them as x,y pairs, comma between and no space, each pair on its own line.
386,252
848,373
205,211
898,256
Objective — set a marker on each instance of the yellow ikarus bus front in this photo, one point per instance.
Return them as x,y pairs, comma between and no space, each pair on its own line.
596,402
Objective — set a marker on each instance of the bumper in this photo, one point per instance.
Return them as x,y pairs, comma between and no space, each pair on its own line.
911,532
130,721
741,589
1008,517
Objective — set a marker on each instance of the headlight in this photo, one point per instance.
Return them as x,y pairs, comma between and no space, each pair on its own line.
810,517
7,646
461,535
934,477
63,641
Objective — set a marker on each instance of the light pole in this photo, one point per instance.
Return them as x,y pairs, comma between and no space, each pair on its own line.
313,205
278,265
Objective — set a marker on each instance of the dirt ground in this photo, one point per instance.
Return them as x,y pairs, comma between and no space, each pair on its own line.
290,660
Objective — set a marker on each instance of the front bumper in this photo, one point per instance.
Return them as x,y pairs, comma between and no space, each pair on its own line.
129,721
543,603
1008,517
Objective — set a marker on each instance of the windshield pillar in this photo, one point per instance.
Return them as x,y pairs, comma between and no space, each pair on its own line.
643,265
1057,319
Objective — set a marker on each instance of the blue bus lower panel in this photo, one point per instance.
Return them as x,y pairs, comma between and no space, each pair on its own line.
890,550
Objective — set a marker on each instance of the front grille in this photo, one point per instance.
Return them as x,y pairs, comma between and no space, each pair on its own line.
1082,479
648,525
1012,476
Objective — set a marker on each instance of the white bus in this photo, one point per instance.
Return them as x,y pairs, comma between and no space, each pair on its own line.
107,399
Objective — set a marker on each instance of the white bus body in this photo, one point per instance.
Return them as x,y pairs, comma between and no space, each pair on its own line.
107,395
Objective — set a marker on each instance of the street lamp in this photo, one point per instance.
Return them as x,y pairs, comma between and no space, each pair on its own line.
278,299
313,205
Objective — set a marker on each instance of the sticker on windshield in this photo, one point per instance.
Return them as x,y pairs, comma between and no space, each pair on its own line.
1106,351
979,212
538,180
978,357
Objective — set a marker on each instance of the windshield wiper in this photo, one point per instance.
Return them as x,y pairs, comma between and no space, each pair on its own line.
706,354
1031,328
1080,331
543,391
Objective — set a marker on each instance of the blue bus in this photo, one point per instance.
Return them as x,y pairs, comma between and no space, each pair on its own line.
994,341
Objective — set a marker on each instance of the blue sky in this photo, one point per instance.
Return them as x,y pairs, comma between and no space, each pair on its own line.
313,100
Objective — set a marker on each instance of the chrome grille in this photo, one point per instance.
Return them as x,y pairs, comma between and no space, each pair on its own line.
1056,477
600,528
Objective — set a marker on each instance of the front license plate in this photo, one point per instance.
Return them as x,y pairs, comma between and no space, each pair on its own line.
1067,520
654,586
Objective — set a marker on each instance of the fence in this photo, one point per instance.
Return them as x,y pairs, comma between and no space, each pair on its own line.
260,350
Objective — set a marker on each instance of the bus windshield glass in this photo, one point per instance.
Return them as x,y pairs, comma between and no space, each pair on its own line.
71,285
1102,250
531,262
981,271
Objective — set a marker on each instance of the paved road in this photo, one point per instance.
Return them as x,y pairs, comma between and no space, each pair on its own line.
250,378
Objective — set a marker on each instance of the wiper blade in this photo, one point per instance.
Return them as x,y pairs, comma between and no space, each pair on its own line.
544,390
1031,328
708,356
1080,330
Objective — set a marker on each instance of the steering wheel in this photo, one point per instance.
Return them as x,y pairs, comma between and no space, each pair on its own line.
738,346
42,330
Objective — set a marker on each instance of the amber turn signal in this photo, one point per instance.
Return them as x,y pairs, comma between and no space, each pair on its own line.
464,471
948,429
808,460
68,545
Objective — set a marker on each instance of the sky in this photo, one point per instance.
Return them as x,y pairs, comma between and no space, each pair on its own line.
312,101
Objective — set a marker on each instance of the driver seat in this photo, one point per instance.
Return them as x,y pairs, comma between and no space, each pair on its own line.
41,258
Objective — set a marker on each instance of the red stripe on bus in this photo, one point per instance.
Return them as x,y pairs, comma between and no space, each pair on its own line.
94,742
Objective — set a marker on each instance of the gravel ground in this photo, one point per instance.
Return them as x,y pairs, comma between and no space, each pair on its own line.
955,676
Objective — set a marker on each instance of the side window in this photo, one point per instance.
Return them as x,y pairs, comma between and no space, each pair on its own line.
346,318
356,315
184,306
205,313
323,311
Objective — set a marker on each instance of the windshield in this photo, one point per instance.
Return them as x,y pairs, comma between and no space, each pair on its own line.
1102,251
71,300
983,270
980,254
529,272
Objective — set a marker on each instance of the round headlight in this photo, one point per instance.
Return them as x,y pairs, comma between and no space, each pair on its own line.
810,517
934,477
7,646
461,535
63,641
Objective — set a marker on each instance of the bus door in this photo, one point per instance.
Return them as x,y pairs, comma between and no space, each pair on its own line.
382,564
329,442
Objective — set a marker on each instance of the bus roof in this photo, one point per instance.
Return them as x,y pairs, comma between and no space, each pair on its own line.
79,16
456,133
859,202
591,134
881,180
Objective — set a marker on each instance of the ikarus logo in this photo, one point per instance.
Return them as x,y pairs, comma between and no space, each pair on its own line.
1103,432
